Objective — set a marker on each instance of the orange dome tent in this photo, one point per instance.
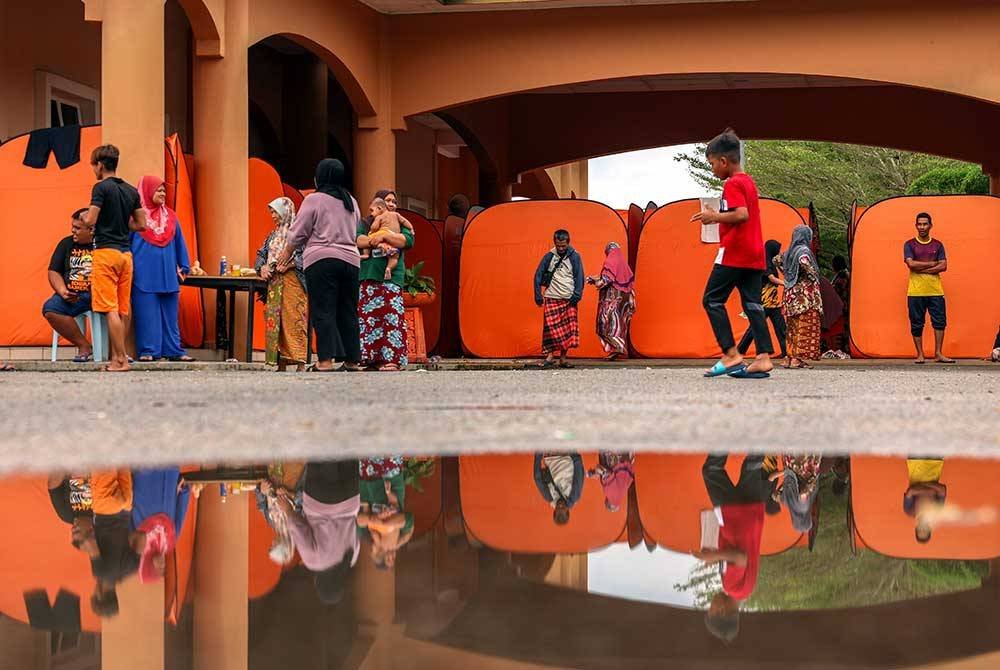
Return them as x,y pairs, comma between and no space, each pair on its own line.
500,252
672,268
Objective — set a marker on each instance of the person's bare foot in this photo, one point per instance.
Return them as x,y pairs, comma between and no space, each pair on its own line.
118,367
941,358
761,364
919,361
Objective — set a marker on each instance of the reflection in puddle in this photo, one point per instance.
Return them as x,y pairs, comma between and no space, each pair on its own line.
518,560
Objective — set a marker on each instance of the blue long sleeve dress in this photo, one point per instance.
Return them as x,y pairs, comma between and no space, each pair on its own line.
156,295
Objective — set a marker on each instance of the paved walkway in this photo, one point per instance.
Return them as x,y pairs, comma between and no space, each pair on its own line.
69,419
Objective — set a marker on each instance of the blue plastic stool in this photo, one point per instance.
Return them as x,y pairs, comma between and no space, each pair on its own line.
98,334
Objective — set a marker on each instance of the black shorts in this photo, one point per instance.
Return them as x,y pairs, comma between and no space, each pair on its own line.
920,306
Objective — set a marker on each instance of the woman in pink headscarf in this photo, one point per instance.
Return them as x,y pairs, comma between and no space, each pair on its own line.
160,259
617,301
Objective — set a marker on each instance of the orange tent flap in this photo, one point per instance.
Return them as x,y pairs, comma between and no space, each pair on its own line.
263,573
877,488
35,210
41,557
672,495
293,194
969,228
500,252
180,197
633,222
426,505
672,268
504,510
265,186
427,247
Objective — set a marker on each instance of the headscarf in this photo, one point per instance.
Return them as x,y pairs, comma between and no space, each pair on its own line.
161,221
285,209
800,510
801,245
771,249
160,539
616,268
383,194
331,178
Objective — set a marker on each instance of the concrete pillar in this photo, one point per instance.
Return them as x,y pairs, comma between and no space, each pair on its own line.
375,607
221,145
132,97
23,647
571,178
221,619
374,138
134,638
569,571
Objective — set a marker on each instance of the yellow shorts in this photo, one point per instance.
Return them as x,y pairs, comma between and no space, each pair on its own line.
111,281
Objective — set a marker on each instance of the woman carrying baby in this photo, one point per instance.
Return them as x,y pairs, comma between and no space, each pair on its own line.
380,308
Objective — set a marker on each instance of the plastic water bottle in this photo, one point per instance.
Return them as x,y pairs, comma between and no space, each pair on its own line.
223,267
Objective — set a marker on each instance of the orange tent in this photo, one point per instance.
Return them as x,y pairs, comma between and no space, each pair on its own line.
672,268
294,194
180,197
427,247
969,227
672,495
877,487
504,510
500,252
265,186
35,210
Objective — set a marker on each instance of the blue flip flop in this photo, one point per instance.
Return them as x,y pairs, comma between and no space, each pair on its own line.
718,370
744,374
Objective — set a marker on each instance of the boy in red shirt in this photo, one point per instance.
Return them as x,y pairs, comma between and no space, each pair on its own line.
740,510
740,263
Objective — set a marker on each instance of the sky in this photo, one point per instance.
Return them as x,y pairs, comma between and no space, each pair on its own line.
636,574
641,176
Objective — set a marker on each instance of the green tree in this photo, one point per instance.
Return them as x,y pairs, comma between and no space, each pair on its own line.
961,179
829,175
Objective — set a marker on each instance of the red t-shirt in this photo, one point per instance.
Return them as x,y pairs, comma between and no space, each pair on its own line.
743,526
741,245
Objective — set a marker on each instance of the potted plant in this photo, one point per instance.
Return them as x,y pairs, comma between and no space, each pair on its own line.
417,469
418,289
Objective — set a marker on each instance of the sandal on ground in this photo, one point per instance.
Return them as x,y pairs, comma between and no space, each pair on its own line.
352,367
389,367
947,361
145,359
7,367
747,374
566,365
545,365
313,368
720,369
83,358
181,359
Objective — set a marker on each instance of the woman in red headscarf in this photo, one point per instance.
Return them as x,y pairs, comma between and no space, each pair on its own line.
160,259
617,301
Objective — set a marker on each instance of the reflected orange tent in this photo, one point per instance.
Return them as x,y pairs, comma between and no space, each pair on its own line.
426,505
877,487
672,495
265,186
500,252
672,268
969,227
504,510
41,556
180,197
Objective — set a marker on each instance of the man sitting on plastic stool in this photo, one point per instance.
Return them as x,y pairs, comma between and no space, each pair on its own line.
69,275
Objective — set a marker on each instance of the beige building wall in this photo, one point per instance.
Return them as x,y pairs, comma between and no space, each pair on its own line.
571,178
70,48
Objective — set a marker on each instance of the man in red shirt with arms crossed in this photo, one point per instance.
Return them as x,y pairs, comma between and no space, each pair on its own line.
740,511
739,264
